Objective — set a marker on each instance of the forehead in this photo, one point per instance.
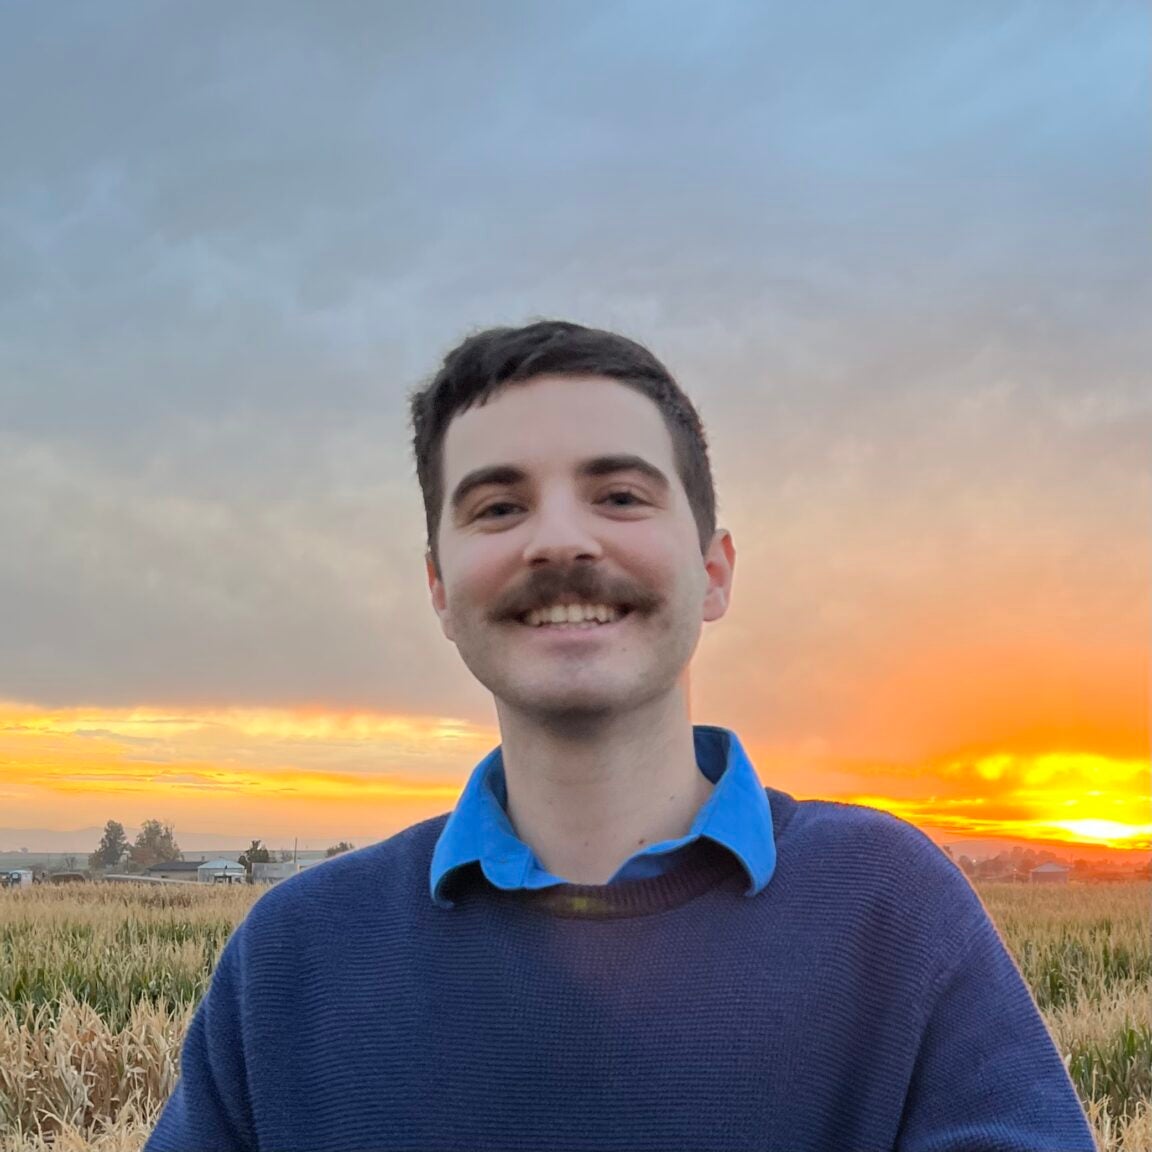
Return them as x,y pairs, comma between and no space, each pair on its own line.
555,421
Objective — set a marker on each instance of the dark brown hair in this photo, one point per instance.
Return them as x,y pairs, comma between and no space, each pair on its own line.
484,364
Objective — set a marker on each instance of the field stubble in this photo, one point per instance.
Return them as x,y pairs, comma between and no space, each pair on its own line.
97,987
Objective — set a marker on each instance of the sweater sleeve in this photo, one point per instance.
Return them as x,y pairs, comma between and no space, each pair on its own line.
988,1077
209,1109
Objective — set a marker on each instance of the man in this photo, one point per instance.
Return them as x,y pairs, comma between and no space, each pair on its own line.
619,939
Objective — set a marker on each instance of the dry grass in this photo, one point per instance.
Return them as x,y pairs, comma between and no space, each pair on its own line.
63,1069
97,987
96,990
1086,953
114,945
1075,944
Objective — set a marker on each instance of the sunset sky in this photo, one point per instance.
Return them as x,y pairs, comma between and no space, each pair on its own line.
898,254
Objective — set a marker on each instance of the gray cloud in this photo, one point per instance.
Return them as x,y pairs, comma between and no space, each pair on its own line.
888,249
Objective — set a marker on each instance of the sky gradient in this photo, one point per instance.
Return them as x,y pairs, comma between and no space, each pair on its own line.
898,255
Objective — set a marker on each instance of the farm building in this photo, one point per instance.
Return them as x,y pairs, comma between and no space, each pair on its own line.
67,878
1050,874
274,872
271,871
221,872
173,870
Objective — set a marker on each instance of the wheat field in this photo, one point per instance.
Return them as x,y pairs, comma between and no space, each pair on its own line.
97,985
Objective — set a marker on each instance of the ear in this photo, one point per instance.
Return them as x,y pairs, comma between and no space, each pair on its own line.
720,565
439,597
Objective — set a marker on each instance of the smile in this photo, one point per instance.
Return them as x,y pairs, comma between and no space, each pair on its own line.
561,616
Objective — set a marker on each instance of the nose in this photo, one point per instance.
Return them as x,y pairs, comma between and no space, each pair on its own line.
561,531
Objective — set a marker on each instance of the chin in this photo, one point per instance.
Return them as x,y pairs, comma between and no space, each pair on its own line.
565,705
573,721
589,698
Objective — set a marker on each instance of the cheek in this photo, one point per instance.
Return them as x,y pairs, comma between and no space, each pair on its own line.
656,561
474,581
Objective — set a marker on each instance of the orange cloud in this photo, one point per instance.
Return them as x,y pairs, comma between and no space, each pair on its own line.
1069,797
280,773
249,772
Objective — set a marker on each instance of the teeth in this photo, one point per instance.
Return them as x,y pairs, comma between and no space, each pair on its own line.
573,614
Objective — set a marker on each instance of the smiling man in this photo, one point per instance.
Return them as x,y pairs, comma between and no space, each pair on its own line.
620,938
568,572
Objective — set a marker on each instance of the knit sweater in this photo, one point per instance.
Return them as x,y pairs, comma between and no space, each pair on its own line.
862,1001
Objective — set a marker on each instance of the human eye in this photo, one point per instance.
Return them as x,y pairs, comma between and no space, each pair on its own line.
483,514
631,497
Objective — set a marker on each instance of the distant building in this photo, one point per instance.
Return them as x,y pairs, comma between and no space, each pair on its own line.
275,871
272,871
221,871
173,870
1050,874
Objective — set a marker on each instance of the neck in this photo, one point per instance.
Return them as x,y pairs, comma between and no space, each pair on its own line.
585,799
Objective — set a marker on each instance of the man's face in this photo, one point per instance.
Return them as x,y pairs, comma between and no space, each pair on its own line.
557,521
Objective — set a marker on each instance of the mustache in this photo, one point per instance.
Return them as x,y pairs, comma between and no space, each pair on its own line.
546,586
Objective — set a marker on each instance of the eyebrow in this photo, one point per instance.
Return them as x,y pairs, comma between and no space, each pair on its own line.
505,475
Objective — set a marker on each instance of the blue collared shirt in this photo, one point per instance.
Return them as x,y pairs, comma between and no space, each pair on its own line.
736,816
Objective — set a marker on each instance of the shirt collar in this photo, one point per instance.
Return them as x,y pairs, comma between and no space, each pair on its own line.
737,816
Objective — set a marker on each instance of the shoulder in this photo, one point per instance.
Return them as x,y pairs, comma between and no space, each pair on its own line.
359,883
854,856
852,835
858,834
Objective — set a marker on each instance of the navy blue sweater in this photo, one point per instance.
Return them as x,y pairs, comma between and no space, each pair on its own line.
862,1001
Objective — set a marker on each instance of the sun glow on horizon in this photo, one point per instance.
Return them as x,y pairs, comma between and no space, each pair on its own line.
364,773
1062,797
1110,832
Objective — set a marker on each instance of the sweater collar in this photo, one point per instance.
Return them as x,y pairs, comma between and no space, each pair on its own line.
737,817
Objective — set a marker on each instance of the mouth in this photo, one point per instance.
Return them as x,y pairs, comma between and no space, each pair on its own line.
574,618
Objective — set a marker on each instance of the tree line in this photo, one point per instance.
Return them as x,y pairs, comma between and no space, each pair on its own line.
156,844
